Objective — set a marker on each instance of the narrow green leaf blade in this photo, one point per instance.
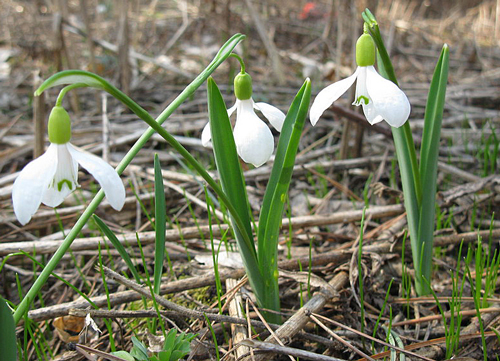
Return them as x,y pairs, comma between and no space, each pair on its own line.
429,153
8,342
276,194
160,222
233,183
118,246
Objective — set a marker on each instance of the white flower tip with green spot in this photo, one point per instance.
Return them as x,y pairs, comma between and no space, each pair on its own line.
54,175
253,138
380,98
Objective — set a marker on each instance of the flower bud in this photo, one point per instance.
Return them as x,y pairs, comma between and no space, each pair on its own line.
59,126
243,86
365,50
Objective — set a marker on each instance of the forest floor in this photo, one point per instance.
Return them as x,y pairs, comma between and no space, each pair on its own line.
343,166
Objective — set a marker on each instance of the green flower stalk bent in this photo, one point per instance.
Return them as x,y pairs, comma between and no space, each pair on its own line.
80,79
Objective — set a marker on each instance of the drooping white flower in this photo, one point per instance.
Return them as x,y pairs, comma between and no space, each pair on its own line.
380,98
253,138
52,176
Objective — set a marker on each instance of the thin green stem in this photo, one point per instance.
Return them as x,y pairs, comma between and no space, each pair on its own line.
242,63
23,306
66,89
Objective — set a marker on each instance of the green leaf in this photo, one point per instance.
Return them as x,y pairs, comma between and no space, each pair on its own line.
8,342
160,222
124,355
233,183
68,77
276,195
170,339
429,153
118,246
139,351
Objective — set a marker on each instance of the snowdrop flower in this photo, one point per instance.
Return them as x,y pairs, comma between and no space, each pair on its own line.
253,138
51,177
380,98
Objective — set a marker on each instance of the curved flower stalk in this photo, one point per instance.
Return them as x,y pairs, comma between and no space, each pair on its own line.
380,98
253,138
54,175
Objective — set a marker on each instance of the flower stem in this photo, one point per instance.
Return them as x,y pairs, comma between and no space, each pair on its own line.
242,63
66,89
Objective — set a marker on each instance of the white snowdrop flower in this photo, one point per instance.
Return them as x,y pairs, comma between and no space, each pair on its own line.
253,138
52,176
380,98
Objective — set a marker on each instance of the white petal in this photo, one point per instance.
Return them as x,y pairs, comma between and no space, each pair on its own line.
371,113
275,116
253,138
105,174
206,135
231,110
65,179
390,101
361,96
327,96
31,184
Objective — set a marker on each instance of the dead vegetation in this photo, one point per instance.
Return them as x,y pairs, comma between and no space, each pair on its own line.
152,51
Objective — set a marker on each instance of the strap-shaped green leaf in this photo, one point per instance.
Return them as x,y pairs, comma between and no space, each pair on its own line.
429,153
277,191
8,342
160,221
233,183
118,246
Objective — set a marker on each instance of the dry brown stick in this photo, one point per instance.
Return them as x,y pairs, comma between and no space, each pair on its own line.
297,322
123,47
272,348
44,247
90,44
181,310
447,315
272,52
38,118
335,257
235,310
338,324
340,339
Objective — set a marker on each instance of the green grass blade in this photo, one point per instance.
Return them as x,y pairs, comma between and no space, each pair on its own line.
8,341
160,222
233,183
429,157
276,194
118,246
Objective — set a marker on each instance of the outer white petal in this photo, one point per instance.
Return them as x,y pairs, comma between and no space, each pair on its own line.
65,179
327,96
31,184
390,101
231,110
253,138
371,113
275,116
105,174
206,135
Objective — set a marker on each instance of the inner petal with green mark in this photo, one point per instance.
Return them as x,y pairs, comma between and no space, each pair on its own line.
362,97
61,183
